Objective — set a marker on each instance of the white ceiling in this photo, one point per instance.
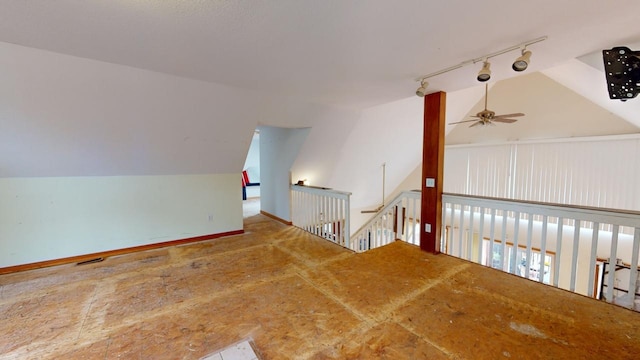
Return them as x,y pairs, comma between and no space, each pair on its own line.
354,53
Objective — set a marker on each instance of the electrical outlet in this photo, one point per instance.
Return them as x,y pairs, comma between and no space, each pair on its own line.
427,228
210,217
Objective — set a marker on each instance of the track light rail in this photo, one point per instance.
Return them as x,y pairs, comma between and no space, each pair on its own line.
482,58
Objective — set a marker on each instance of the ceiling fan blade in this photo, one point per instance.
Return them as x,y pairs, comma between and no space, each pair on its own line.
502,120
460,122
508,115
476,124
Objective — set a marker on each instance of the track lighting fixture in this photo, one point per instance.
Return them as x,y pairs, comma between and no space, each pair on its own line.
422,90
485,73
522,62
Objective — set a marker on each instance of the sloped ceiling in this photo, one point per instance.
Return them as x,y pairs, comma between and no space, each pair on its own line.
551,111
590,82
209,55
348,53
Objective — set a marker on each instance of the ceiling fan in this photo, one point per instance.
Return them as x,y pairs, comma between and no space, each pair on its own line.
488,117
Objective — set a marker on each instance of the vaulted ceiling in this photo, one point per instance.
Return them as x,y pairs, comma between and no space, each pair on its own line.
355,53
551,109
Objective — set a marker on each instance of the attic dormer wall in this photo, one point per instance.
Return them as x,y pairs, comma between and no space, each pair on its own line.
97,156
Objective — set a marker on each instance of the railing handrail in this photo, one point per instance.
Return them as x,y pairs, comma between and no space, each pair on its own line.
392,203
632,218
318,190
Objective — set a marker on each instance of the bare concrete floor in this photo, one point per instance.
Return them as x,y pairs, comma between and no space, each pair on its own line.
300,297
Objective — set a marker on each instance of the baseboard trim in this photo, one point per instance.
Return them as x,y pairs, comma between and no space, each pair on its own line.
105,254
286,222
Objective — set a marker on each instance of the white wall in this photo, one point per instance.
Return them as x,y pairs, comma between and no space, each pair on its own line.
84,143
391,134
322,149
346,150
279,148
49,218
67,116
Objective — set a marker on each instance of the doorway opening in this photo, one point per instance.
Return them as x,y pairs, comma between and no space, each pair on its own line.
251,178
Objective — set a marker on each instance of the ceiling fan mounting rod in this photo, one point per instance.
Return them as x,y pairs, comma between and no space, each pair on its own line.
486,94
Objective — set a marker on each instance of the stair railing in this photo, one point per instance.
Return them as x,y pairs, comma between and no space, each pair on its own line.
398,220
322,211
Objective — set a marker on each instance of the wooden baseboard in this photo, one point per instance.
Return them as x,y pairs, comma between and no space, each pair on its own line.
286,222
105,254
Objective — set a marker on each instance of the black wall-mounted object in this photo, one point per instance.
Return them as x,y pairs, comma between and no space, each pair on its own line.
622,70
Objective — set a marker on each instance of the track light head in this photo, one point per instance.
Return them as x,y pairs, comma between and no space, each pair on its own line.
485,73
522,62
422,90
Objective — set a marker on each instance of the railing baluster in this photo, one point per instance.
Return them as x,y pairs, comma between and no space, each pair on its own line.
326,218
529,240
329,220
309,212
376,239
492,236
347,221
503,239
516,234
481,235
305,212
543,249
470,233
316,214
574,258
461,231
594,256
613,259
443,229
410,223
556,263
334,229
633,276
340,222
449,244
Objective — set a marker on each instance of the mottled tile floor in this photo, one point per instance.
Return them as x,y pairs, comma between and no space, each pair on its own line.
300,297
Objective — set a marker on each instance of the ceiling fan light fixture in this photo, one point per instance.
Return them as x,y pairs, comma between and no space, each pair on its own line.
485,73
523,61
422,90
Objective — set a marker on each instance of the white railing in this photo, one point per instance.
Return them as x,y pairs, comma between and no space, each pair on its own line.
322,212
399,220
590,251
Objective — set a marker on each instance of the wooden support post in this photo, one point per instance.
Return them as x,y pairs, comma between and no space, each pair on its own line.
432,171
